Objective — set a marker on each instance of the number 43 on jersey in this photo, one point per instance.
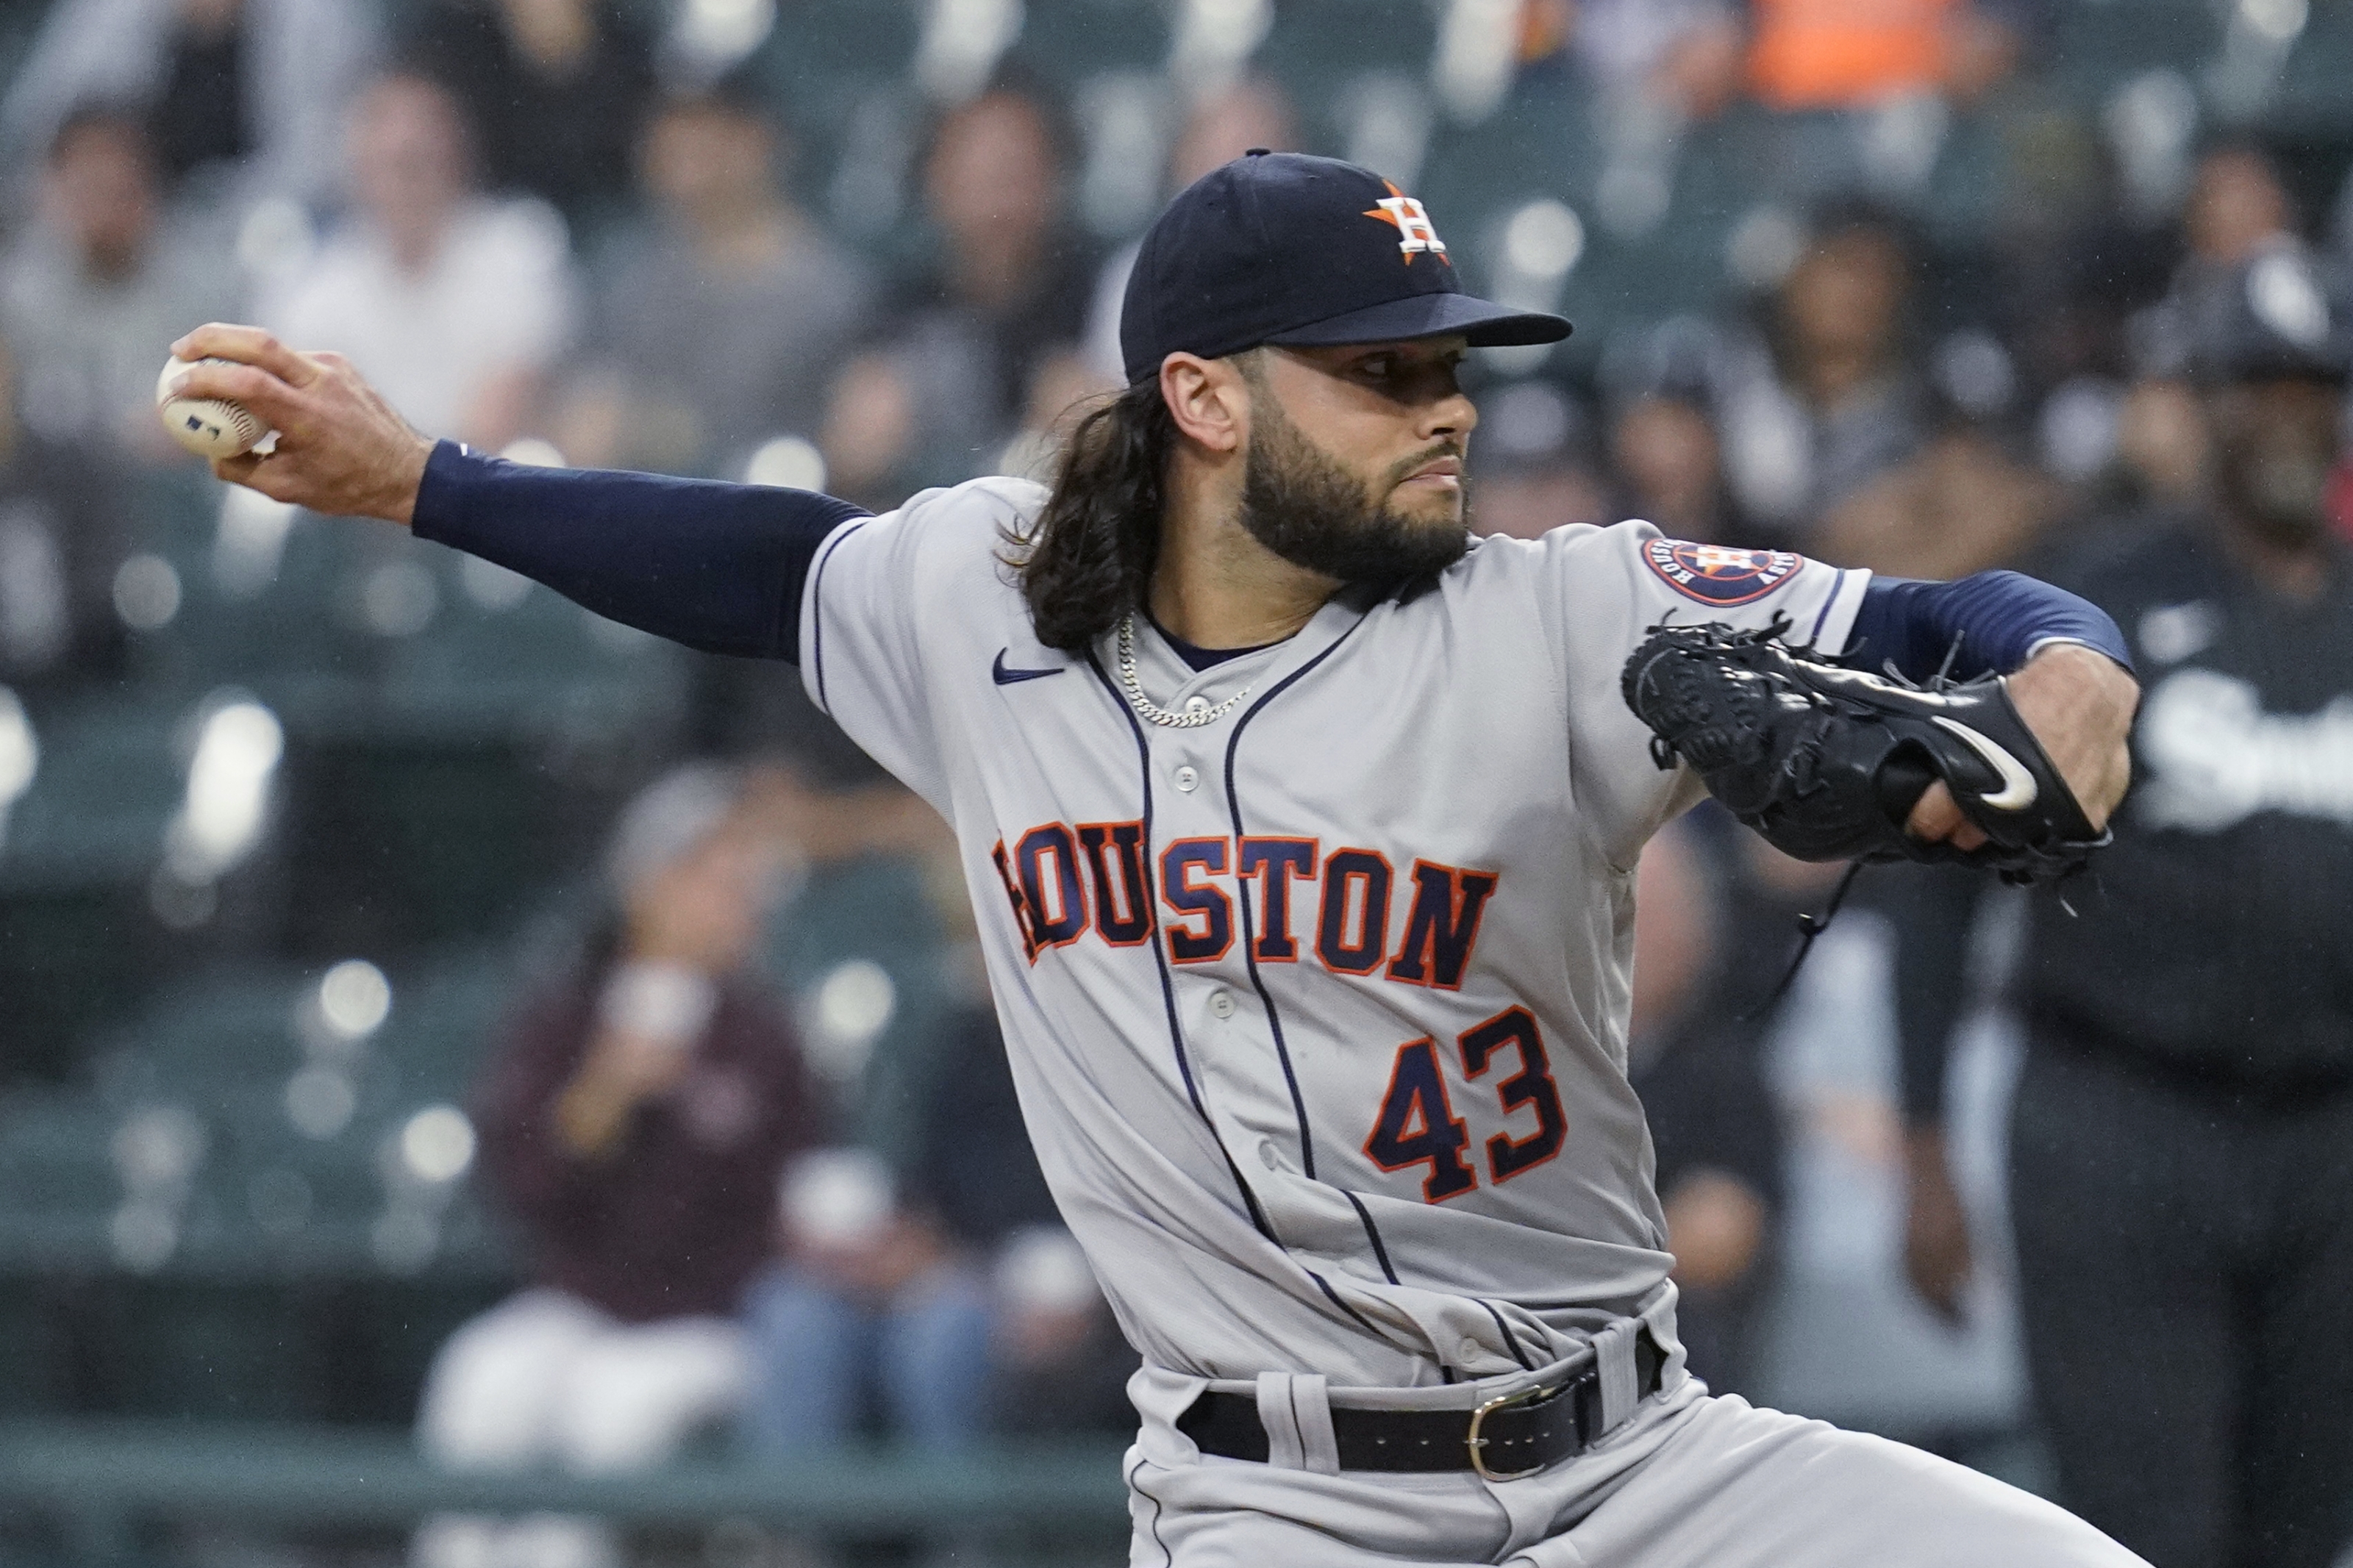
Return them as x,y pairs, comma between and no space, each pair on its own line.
1417,1125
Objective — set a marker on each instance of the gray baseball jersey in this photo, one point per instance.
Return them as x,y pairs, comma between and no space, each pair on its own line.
1317,1010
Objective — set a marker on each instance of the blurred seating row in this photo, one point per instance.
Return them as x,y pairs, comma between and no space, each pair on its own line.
426,743
1668,217
257,1206
1660,207
108,1491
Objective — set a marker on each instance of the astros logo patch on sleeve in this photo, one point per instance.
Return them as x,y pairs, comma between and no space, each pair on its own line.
1716,574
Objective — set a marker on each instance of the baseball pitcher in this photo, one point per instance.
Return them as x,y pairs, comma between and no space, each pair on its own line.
1300,830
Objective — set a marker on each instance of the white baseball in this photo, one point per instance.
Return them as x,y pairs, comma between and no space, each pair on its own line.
208,426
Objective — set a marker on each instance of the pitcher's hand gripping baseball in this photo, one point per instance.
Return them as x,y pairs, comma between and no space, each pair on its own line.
341,449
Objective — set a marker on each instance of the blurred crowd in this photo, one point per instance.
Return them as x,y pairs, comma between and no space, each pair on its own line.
708,1244
548,226
1850,278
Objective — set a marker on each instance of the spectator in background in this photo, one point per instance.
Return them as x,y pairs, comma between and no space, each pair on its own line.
1665,450
875,1298
2236,211
716,332
635,1121
1963,503
1685,53
953,1293
1864,92
1535,469
556,90
1835,403
1670,467
95,289
249,92
881,1298
928,1260
452,303
2181,1141
942,396
1712,937
61,528
1859,54
1056,1361
2237,208
924,1262
87,295
2163,448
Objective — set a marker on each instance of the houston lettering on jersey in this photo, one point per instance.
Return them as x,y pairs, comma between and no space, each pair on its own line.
1350,908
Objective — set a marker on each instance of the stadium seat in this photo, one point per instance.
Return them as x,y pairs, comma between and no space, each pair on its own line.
2315,96
58,1180
534,663
108,781
234,1029
444,1025
77,943
394,843
260,1275
2097,44
877,911
1325,40
824,60
1067,41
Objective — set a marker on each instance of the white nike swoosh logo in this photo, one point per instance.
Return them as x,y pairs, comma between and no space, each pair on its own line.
1930,698
2018,789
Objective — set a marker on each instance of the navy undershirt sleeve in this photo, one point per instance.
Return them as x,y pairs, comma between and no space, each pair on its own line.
1998,616
715,566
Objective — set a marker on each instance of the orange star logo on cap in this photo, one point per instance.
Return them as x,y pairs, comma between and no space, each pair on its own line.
1416,232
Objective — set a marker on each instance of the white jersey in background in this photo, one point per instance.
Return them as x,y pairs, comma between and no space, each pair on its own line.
1318,1009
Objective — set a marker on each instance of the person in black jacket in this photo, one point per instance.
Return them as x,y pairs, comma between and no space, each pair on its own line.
634,1118
557,90
1057,1362
1711,939
2181,1145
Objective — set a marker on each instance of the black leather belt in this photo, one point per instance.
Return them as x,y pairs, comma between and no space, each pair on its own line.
1515,1435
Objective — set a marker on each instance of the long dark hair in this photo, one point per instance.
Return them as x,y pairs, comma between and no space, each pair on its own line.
1088,558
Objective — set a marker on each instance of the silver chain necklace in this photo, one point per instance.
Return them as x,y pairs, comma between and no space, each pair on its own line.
1198,710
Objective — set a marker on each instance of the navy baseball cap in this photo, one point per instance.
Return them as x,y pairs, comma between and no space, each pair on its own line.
1282,247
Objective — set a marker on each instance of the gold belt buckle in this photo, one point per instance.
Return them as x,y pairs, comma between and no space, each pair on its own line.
1534,1394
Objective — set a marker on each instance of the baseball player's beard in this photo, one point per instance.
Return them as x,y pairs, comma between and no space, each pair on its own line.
1299,503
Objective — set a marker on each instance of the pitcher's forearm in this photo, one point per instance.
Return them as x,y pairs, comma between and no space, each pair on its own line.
716,566
2000,619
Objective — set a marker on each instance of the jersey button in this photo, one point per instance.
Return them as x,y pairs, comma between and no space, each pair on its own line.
1197,704
1268,1155
1187,779
1470,1351
1221,1003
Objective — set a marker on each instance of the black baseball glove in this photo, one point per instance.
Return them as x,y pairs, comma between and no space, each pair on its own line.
1827,762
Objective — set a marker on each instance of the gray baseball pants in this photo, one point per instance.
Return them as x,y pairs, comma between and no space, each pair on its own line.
1687,1480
